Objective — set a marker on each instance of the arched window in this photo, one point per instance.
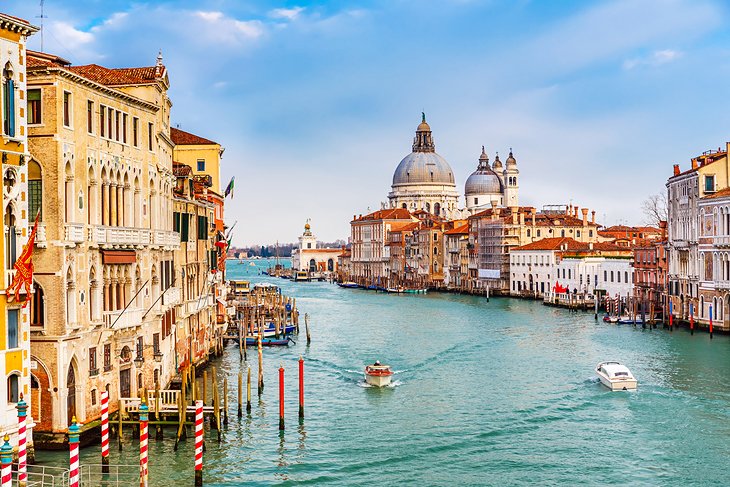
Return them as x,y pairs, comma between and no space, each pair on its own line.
13,388
8,101
626,276
312,265
38,307
404,205
437,209
35,191
428,207
330,265
562,233
11,243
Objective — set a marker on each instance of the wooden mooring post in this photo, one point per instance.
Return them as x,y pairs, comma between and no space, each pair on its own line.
240,394
225,401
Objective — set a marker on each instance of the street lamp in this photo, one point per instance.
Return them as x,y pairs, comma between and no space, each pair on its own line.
138,360
158,356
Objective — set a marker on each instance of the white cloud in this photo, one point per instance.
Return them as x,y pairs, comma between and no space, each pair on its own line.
286,13
228,29
657,58
114,20
70,36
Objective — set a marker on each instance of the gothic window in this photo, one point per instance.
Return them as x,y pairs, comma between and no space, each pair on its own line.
13,324
38,307
8,101
13,388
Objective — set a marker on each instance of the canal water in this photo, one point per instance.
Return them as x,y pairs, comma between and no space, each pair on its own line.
486,393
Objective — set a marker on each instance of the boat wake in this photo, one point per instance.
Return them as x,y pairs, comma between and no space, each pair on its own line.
392,385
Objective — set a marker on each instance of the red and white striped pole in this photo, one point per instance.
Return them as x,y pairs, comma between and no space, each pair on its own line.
105,432
73,444
143,419
22,407
198,443
6,462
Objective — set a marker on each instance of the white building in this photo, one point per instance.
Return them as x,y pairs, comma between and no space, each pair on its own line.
538,267
309,257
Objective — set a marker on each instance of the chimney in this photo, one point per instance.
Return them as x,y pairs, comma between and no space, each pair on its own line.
676,169
585,216
694,163
593,217
590,245
663,227
522,218
533,216
575,211
354,217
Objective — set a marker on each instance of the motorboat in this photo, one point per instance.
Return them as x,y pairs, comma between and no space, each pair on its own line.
610,319
302,276
396,290
616,376
348,284
378,375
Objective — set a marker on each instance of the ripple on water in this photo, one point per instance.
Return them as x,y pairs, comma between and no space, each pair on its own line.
498,393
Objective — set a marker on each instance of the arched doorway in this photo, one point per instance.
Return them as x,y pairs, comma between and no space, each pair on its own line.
71,398
330,265
312,265
125,374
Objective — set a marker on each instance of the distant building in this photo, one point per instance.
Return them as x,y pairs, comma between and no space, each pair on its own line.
308,256
583,267
650,273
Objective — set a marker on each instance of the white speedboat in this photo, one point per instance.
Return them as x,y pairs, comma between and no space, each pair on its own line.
616,376
378,375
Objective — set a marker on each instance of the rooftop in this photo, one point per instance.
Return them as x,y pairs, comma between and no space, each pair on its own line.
180,137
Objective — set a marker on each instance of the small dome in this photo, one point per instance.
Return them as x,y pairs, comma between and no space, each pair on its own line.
423,126
484,180
511,161
307,226
497,165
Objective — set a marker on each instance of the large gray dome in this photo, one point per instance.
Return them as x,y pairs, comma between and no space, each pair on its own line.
423,168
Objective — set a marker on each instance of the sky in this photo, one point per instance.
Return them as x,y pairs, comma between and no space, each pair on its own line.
316,103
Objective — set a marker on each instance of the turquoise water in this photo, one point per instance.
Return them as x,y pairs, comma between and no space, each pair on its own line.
498,393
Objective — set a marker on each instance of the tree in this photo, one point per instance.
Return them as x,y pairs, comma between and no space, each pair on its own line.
655,209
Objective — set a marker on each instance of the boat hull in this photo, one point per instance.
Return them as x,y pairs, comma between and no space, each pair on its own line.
619,385
267,342
378,380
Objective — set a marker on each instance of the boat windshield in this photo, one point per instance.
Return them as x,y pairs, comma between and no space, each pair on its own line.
621,374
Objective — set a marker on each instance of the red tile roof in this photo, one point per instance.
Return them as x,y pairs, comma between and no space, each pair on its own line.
556,243
719,194
387,214
461,230
117,76
180,137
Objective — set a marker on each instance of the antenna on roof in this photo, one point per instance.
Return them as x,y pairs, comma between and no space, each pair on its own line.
41,16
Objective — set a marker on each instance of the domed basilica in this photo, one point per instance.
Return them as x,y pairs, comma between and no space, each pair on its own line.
425,181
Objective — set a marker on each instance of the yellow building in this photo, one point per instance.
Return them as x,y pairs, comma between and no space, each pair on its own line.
202,155
14,320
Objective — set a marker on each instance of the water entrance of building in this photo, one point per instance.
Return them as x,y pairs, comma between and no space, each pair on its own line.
125,383
71,398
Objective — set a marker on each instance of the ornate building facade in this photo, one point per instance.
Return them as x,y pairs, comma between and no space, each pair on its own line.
16,363
102,180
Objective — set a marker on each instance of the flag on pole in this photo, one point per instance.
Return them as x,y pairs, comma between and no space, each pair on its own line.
229,188
24,268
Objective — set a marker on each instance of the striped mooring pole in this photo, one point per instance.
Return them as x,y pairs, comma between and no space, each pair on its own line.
198,443
22,407
301,387
143,419
281,398
74,432
104,432
6,461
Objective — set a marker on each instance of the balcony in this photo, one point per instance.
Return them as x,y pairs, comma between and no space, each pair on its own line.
195,305
165,238
722,241
130,318
126,236
74,232
171,296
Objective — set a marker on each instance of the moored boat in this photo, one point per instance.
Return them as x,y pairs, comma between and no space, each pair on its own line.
378,375
348,284
415,291
268,342
616,376
396,290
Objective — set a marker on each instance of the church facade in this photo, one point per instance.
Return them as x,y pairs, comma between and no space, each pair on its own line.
424,181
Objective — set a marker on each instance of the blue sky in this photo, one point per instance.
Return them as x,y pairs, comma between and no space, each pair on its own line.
317,102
